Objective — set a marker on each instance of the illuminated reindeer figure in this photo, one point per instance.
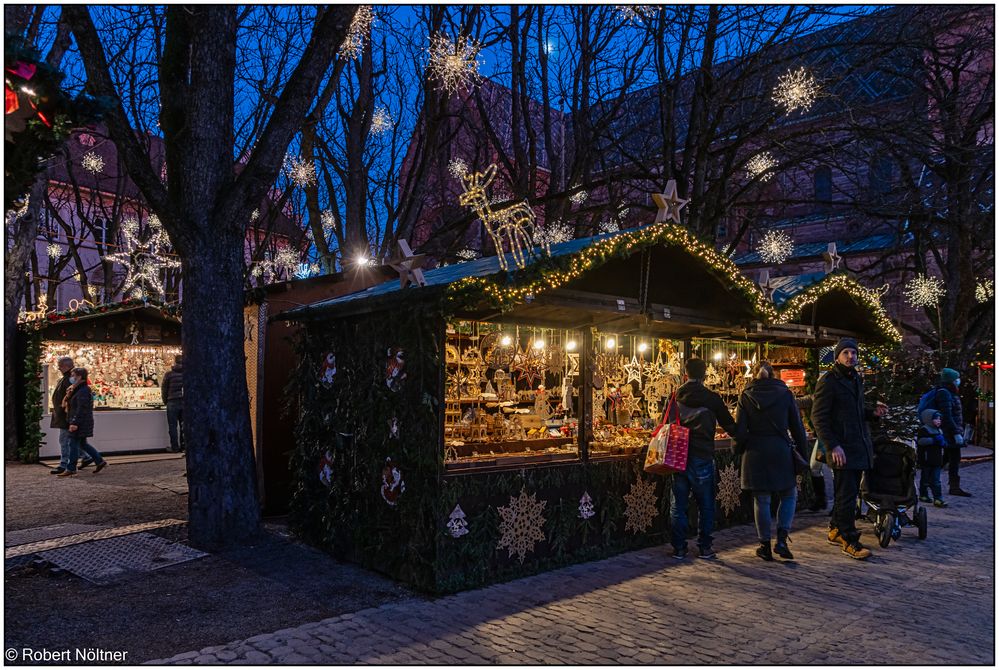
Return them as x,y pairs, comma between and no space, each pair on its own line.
511,223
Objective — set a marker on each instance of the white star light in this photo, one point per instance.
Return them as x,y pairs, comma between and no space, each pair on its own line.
775,247
381,121
359,29
454,65
458,168
984,290
761,166
92,163
924,291
302,173
796,90
142,258
53,250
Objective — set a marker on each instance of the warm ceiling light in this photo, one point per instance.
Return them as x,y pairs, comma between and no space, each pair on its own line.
642,347
610,343
506,340
539,344
570,345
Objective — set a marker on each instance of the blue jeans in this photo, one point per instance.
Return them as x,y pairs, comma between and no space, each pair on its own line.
175,415
785,512
64,436
77,444
699,478
929,479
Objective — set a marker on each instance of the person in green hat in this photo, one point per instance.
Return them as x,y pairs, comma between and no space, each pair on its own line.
947,401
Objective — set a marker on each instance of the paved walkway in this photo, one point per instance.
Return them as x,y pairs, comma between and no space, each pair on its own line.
915,602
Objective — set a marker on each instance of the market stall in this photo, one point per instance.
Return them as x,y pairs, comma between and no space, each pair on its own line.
127,348
489,424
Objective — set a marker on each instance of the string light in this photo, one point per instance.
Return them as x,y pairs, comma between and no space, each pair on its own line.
143,259
924,291
360,28
381,121
796,90
984,290
92,163
775,247
454,65
15,214
761,166
302,172
53,250
841,282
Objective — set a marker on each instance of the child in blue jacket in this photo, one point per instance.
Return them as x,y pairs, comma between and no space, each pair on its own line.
930,443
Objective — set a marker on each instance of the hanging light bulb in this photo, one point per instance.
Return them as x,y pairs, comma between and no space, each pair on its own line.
539,344
570,345
506,340
642,347
718,355
610,343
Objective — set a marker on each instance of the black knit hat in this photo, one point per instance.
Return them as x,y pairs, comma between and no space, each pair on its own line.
845,343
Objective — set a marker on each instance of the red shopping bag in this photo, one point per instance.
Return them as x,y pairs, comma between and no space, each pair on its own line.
668,446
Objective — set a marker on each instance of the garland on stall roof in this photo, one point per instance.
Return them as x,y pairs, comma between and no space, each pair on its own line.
31,440
551,273
860,294
172,309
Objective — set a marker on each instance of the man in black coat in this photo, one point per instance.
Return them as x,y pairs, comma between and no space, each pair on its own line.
172,391
947,401
840,417
59,419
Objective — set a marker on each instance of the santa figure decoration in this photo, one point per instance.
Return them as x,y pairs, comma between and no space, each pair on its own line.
395,369
392,484
326,469
328,371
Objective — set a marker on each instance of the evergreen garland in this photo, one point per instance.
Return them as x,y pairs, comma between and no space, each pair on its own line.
27,450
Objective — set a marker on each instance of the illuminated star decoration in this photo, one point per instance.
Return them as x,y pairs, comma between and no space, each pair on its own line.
53,250
924,291
92,163
796,90
775,247
984,290
631,404
453,65
634,371
408,266
143,259
669,203
381,121
301,172
831,258
360,28
761,166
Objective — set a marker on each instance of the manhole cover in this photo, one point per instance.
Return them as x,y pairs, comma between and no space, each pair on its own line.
12,538
104,560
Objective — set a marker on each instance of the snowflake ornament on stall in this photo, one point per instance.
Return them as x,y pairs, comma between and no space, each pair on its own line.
669,203
521,524
92,163
640,506
775,247
984,290
761,166
456,524
142,258
586,510
360,28
924,291
729,488
453,65
796,90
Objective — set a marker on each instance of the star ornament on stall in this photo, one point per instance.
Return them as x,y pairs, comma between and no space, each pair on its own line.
831,259
408,264
633,370
640,506
521,525
669,203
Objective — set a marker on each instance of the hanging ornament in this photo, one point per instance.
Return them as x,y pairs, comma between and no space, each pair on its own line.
984,290
407,264
326,469
633,370
640,506
92,163
796,90
395,369
521,525
392,484
453,65
761,166
327,370
301,172
775,247
360,29
924,291
142,257
729,488
457,525
586,506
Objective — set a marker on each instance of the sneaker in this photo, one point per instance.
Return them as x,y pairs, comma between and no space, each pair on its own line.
940,503
925,499
57,471
707,554
835,538
85,464
100,466
960,493
857,551
781,548
763,551
67,473
680,554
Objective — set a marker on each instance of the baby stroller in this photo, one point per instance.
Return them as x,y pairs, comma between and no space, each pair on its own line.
889,491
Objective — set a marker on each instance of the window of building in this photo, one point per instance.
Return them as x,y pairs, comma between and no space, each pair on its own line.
880,175
823,187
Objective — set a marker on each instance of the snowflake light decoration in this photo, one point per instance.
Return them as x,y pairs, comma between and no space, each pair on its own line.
328,220
636,13
142,256
796,89
521,524
286,259
53,250
458,168
775,247
453,65
254,215
579,197
306,270
924,291
984,290
360,28
92,163
554,234
640,506
609,226
381,121
467,254
761,166
729,488
302,172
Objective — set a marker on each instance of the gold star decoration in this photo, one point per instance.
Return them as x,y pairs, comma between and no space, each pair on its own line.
521,524
631,404
640,507
408,265
634,371
669,203
528,365
729,489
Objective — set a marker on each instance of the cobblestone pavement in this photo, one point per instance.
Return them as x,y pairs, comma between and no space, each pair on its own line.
915,602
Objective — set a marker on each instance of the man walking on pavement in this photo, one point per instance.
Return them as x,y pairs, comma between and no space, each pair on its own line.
840,417
947,401
59,418
172,391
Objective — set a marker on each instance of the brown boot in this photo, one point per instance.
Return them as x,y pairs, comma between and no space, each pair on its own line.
835,538
857,551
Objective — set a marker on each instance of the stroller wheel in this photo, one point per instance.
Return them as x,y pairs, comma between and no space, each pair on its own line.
884,530
921,522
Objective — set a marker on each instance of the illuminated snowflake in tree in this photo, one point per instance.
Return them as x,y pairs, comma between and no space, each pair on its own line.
467,254
254,215
924,291
775,247
359,29
328,219
454,65
555,233
636,13
381,121
761,166
984,290
458,168
92,163
796,90
53,250
609,226
301,172
521,525
579,197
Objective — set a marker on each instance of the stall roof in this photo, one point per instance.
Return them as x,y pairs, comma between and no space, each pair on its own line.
151,309
870,244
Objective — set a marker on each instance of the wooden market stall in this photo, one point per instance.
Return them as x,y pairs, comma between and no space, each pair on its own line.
489,424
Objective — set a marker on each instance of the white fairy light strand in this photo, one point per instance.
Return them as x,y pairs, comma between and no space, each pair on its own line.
924,291
775,247
453,65
360,29
796,89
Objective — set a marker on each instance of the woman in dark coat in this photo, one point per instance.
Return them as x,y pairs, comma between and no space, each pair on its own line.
767,411
79,403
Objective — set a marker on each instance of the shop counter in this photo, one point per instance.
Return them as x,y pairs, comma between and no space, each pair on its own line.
116,431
